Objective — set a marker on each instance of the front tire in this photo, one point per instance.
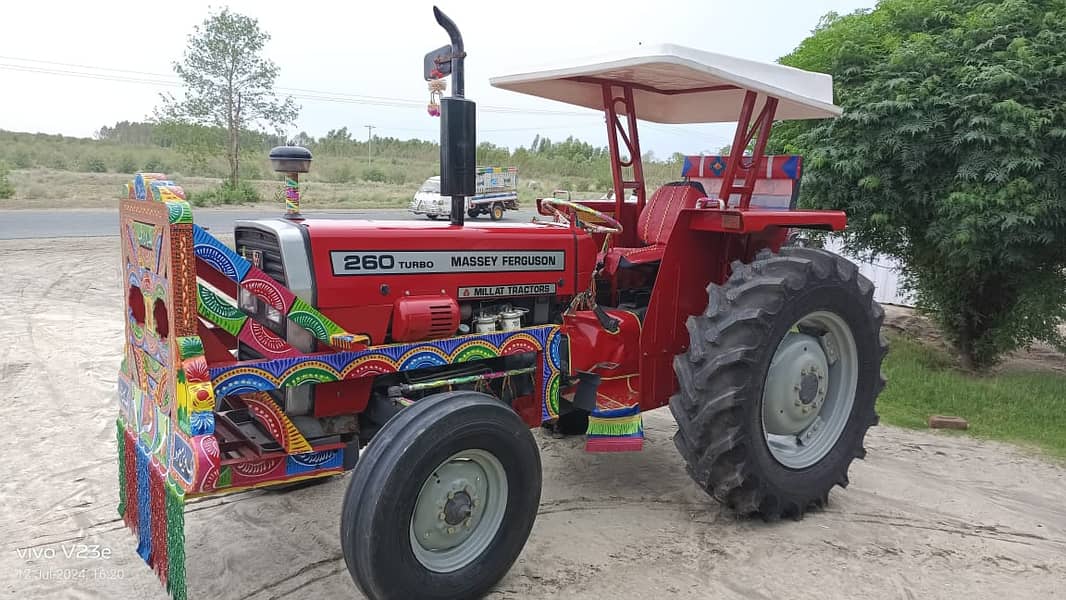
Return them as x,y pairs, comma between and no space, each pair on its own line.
777,388
442,500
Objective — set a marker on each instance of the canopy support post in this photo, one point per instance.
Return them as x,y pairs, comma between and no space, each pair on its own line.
627,134
737,163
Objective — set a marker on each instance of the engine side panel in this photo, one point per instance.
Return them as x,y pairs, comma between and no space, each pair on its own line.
376,263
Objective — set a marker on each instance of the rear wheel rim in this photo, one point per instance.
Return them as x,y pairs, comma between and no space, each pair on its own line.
810,390
459,511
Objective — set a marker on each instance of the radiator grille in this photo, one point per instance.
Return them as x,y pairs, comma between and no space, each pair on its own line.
249,241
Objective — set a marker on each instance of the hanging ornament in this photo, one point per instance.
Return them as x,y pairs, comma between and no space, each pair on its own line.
436,88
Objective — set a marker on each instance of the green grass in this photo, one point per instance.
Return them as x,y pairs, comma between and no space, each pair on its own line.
50,171
48,188
1023,407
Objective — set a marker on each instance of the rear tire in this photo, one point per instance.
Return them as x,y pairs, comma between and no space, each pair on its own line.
784,310
473,213
432,217
496,212
393,543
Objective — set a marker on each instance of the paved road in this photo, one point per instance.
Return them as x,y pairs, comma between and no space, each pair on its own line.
30,224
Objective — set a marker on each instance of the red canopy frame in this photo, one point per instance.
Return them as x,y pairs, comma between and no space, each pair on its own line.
622,138
627,135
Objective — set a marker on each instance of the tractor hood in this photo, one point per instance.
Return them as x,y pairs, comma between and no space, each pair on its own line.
361,262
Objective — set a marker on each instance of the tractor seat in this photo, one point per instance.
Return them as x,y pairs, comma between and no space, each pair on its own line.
654,225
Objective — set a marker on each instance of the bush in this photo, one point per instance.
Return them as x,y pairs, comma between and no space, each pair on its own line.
397,177
6,189
23,159
96,165
127,165
949,156
374,174
154,165
225,193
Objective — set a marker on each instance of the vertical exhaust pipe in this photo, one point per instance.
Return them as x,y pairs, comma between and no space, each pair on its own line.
458,54
458,122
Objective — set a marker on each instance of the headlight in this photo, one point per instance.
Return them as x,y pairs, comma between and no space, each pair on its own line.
247,300
300,338
299,400
274,315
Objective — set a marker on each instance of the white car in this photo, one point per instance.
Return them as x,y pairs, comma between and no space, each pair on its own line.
428,201
497,191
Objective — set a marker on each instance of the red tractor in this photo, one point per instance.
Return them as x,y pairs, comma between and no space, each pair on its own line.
463,337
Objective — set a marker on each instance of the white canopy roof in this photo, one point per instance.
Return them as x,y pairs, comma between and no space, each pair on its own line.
675,84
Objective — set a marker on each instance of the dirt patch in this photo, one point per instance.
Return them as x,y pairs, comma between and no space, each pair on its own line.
926,515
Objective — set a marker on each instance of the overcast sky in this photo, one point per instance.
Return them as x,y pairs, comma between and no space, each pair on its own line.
122,53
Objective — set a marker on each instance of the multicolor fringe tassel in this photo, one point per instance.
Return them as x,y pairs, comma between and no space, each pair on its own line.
615,430
175,541
144,505
158,494
129,458
120,439
153,506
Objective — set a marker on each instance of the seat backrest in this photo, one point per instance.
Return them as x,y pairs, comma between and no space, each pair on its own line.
657,219
776,186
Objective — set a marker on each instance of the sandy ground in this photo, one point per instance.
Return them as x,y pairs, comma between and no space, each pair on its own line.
926,516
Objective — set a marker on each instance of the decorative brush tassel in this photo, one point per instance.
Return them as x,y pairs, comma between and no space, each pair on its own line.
129,450
615,430
144,505
157,490
175,541
120,439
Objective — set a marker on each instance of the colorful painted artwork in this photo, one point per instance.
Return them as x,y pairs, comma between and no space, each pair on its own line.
152,382
265,375
239,270
171,432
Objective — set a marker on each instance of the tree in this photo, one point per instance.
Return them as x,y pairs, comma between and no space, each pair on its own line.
950,155
302,139
6,189
228,85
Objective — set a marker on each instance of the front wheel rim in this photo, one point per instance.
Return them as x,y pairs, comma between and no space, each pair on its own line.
810,389
458,511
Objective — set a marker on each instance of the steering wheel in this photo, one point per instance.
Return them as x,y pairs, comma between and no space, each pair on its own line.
604,223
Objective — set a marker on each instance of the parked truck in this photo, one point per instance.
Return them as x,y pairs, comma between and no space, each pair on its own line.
497,191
